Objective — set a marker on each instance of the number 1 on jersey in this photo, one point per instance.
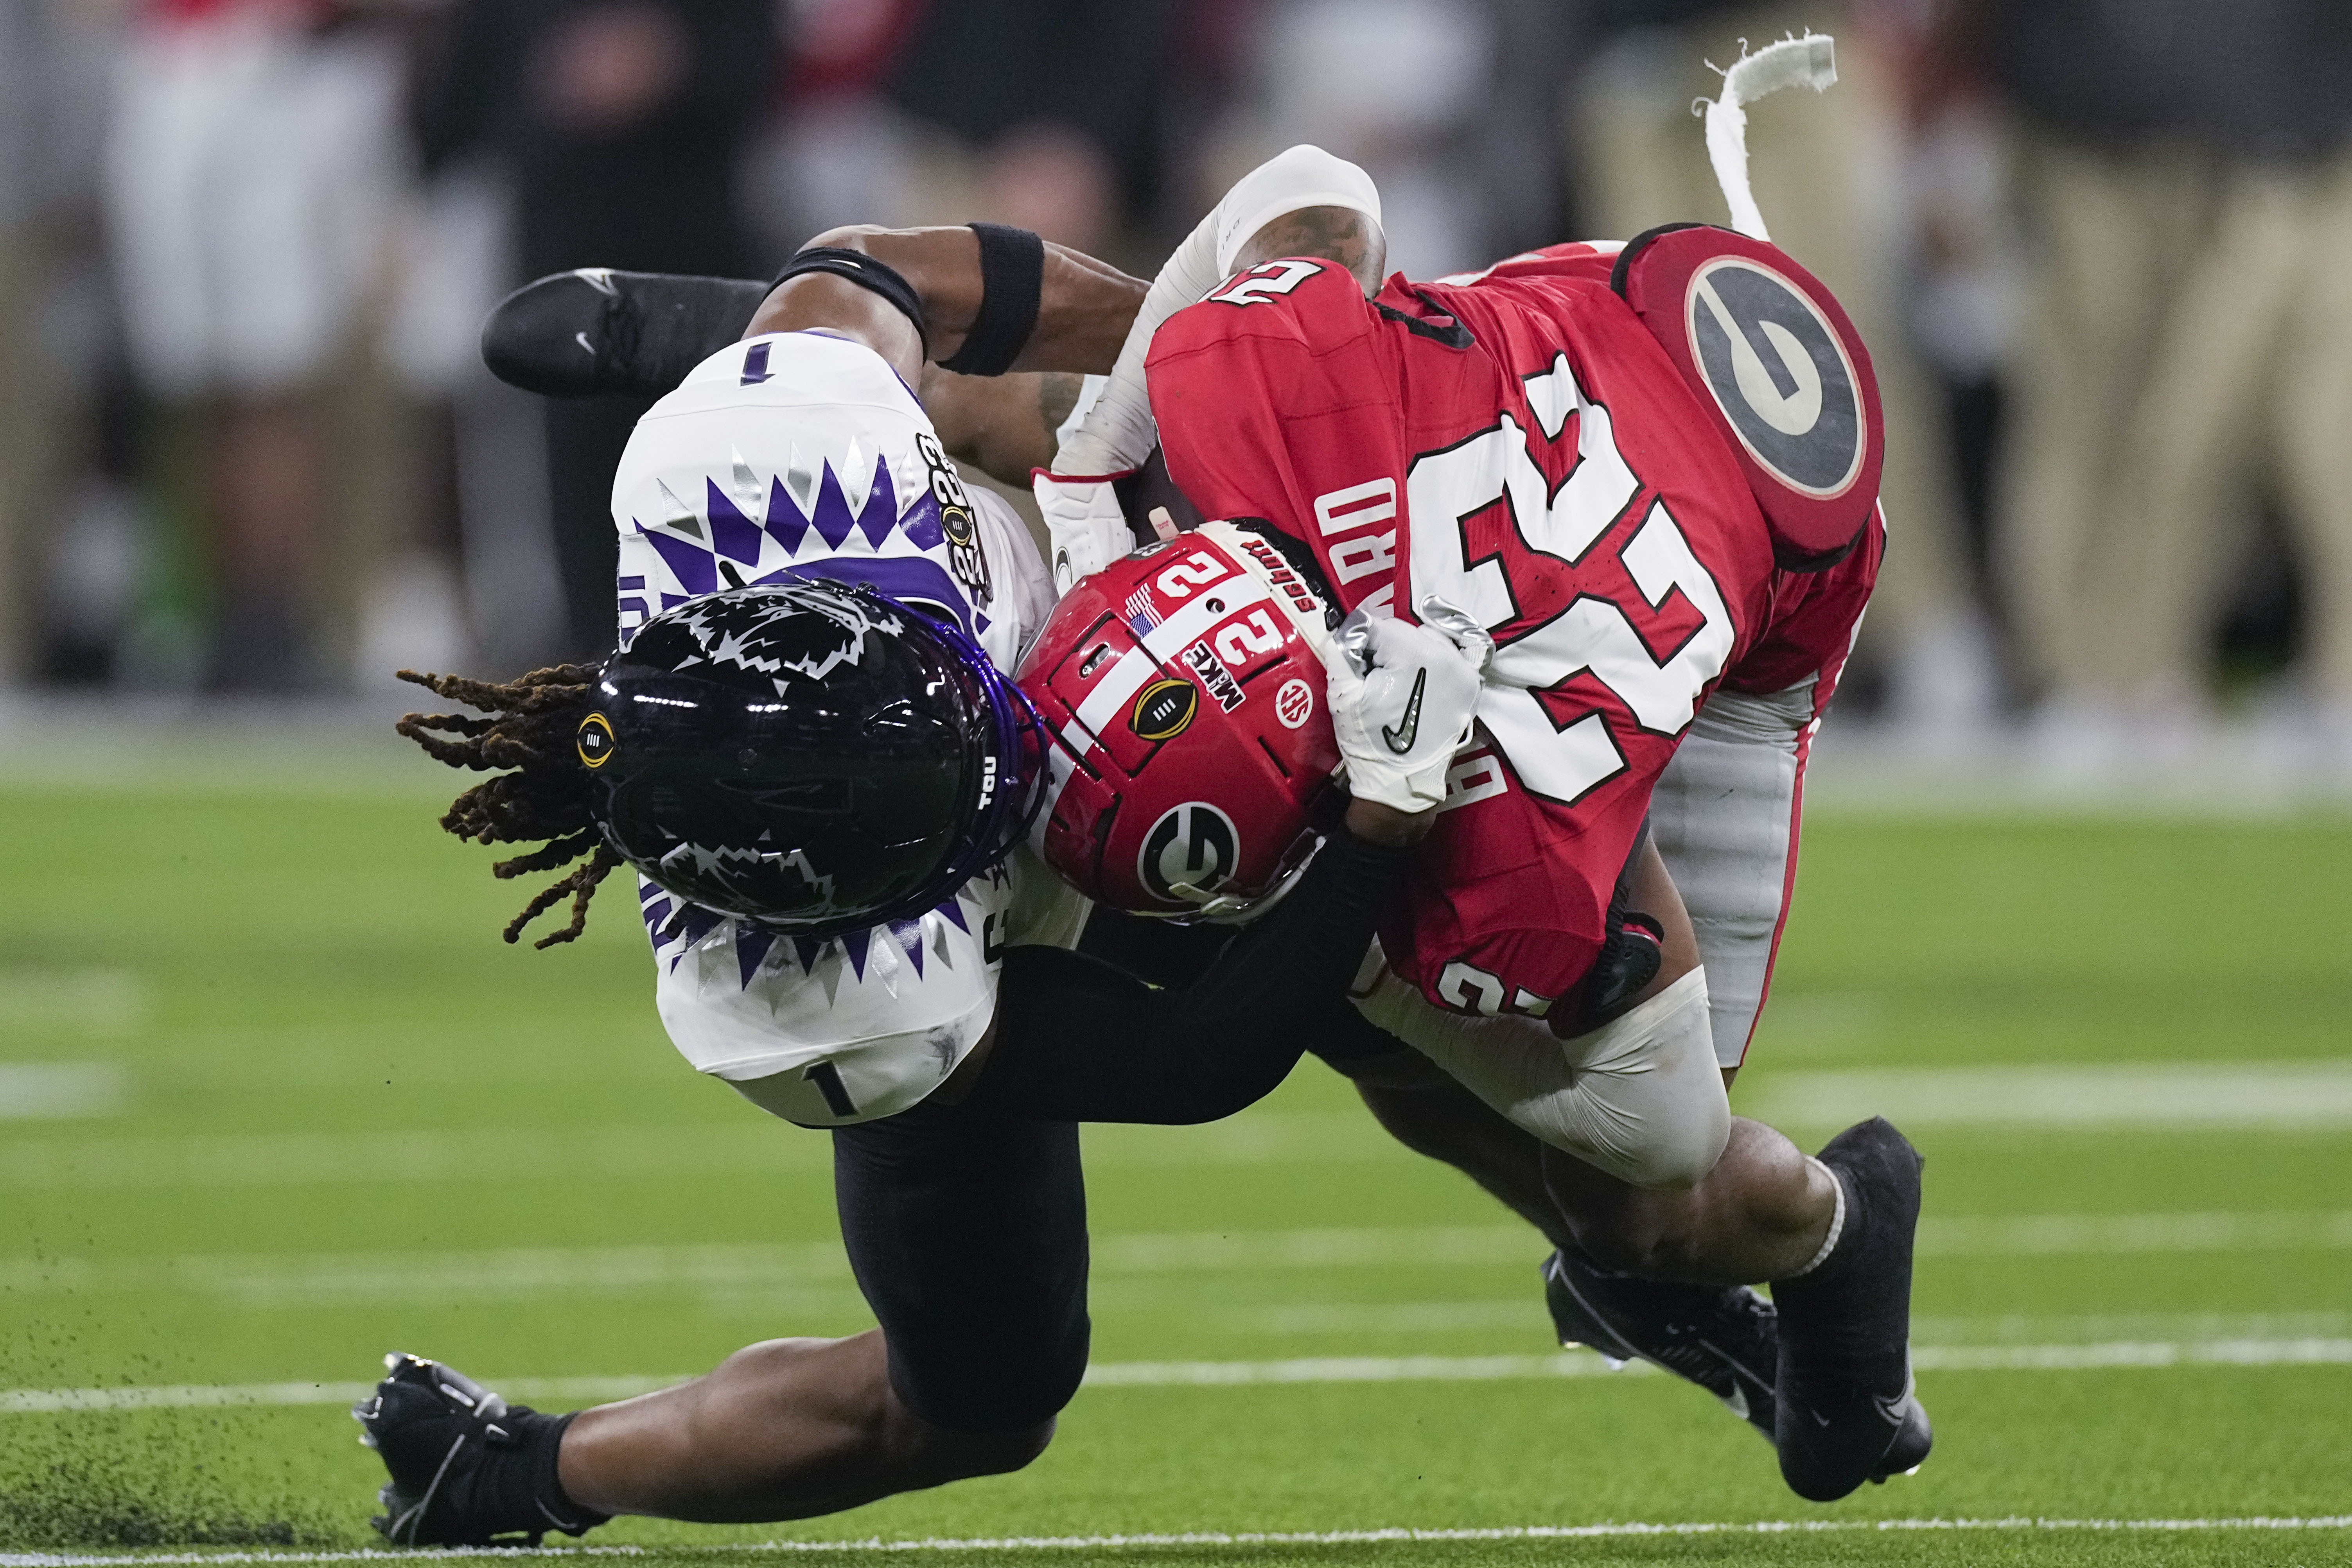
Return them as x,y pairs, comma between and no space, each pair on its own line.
827,1078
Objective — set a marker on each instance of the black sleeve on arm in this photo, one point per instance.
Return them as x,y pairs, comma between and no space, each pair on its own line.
867,273
1080,1040
1011,286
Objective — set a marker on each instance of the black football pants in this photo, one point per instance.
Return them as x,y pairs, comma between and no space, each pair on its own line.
966,1230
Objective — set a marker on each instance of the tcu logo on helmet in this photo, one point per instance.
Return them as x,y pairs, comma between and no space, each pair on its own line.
746,630
1776,368
1193,846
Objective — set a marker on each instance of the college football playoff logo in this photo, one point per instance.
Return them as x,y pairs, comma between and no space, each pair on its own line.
1779,373
595,740
1164,709
1189,853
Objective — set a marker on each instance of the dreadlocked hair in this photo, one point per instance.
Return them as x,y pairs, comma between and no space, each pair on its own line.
532,728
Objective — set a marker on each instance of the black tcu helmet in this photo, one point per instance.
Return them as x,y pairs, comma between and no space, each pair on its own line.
813,756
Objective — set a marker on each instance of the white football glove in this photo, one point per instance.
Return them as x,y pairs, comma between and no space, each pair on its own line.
1402,699
1085,529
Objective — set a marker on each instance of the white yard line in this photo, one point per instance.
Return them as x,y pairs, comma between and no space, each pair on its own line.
2113,1354
303,1279
42,1091
1523,1312
430,1156
2316,1095
1235,1538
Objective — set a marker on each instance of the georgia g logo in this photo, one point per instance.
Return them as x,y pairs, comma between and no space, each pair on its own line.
1779,373
1191,849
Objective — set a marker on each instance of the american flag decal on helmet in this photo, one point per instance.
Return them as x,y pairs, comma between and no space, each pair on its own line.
1139,613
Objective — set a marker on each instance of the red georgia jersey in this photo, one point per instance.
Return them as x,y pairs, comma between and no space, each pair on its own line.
1517,443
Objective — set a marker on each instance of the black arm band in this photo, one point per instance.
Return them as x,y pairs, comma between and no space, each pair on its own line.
867,273
1080,1040
1012,282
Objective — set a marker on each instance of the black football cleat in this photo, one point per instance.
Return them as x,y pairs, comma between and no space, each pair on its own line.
595,332
1727,1340
468,1468
1849,1412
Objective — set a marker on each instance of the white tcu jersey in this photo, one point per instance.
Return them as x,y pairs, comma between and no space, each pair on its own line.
802,455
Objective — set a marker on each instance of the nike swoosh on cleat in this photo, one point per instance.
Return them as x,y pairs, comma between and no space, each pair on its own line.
1897,1406
1399,740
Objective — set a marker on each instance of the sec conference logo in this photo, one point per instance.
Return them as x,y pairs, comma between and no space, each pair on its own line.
1193,846
1777,369
1294,705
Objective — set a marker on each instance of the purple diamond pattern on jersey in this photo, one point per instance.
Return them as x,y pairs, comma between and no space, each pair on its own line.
686,924
735,537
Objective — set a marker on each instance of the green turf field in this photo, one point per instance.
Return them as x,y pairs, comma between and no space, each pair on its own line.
274,1098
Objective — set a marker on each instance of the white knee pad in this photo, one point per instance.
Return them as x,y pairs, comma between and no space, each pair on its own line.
1640,1098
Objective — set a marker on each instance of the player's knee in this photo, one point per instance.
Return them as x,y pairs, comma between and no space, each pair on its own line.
1647,1234
1684,1147
1657,1104
951,1456
1010,1451
1613,1243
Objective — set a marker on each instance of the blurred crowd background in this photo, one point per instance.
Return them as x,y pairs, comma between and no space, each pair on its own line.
2102,248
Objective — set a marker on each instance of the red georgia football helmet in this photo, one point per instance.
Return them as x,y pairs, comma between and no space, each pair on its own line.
1191,745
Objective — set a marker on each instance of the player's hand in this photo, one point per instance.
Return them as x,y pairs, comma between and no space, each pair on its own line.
1403,698
1085,529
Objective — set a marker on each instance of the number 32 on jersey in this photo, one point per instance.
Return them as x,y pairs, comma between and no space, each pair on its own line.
1592,634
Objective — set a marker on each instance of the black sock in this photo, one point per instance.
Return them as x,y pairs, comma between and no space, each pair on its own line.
518,1481
1850,1314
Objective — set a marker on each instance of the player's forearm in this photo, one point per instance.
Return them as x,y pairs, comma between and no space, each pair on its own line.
1078,1039
1003,425
1083,310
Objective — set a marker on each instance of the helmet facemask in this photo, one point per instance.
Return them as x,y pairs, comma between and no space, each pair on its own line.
811,757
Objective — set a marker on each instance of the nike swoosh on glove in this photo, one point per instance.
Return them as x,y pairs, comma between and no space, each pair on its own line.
1402,699
1085,529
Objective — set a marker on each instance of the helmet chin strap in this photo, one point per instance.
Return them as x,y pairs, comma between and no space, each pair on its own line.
1810,61
1233,909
